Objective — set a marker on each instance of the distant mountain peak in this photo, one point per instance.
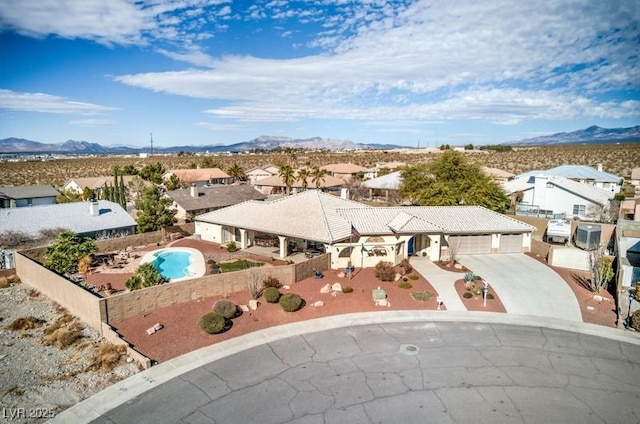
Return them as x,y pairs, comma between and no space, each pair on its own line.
593,134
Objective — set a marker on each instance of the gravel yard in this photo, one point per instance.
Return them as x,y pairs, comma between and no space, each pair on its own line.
39,380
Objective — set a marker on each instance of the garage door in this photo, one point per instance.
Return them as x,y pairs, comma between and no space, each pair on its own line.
510,243
471,245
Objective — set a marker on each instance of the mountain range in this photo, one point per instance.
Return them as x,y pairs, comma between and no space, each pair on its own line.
592,135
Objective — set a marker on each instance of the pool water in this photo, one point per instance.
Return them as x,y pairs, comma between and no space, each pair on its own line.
173,264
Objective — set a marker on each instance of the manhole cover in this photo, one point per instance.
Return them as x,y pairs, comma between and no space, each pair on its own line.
409,349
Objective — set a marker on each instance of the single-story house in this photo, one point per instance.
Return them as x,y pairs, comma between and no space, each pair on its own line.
363,235
384,185
261,172
582,174
200,176
274,184
498,175
99,219
630,210
635,177
96,184
554,197
627,250
27,195
388,166
345,171
198,200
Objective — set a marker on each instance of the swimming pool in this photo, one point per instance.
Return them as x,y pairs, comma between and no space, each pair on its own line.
177,263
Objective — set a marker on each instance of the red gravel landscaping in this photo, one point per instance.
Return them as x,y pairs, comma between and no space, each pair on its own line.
476,302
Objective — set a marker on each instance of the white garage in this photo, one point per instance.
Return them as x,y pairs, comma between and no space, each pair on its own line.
470,245
510,243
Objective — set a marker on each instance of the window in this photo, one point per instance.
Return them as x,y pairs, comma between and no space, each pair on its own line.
579,210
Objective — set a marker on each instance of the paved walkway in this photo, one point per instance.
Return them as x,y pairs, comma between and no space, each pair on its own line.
441,280
525,286
390,367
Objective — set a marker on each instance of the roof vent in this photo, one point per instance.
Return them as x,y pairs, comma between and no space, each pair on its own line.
94,208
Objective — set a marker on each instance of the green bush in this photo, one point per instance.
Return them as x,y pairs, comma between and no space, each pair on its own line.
422,296
271,294
467,295
212,323
231,246
384,271
469,276
226,308
347,289
413,277
490,296
271,282
405,285
290,302
635,320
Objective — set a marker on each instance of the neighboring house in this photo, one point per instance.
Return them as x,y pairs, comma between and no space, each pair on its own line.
274,185
558,197
635,177
345,171
630,210
99,219
261,172
389,166
200,176
363,235
96,184
28,195
628,260
498,175
582,174
197,200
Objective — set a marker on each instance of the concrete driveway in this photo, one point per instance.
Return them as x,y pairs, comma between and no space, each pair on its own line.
526,286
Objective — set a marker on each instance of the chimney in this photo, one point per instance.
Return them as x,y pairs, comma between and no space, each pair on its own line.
344,193
94,209
599,167
194,190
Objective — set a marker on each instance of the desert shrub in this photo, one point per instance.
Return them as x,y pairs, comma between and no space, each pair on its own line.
271,282
406,266
490,296
64,336
469,276
226,308
384,271
290,302
467,295
14,279
271,294
635,320
422,296
25,323
405,285
413,277
212,323
210,261
60,322
347,289
231,246
107,357
4,282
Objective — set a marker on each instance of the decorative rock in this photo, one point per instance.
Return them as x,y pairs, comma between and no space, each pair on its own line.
326,289
336,287
244,308
253,304
591,308
383,302
398,277
158,326
598,298
341,274
286,287
318,304
458,266
129,359
151,330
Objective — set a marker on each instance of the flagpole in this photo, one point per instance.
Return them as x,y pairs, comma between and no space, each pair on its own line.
349,271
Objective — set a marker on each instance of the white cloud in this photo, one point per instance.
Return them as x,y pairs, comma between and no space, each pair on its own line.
47,103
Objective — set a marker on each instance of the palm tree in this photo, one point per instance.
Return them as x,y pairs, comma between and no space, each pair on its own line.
287,175
317,176
236,172
302,176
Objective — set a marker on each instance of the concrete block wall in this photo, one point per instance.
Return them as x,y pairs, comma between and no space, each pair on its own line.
112,336
78,301
138,302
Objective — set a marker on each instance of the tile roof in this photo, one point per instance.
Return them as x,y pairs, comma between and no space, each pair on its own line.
314,215
581,172
201,174
217,196
344,168
587,191
72,216
276,181
99,182
496,172
28,192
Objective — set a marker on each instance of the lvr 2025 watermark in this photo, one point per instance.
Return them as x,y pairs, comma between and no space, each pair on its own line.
22,413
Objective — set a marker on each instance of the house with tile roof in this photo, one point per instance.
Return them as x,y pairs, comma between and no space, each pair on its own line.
27,195
99,218
558,197
352,232
199,176
582,174
275,185
345,171
635,177
96,184
198,200
261,172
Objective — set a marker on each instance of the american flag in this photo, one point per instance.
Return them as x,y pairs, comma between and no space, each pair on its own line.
354,232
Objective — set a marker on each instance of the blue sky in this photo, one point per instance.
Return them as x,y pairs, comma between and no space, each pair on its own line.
196,72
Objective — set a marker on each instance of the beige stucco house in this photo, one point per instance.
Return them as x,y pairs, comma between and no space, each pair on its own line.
363,235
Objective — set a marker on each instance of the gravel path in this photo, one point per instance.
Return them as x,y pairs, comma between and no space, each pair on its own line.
36,380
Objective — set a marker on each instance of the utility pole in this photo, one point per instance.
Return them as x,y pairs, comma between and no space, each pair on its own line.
151,152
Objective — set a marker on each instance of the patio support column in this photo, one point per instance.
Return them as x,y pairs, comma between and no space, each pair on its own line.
370,193
283,246
243,239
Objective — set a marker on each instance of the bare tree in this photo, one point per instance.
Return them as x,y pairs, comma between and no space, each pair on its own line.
454,246
599,213
254,282
601,270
